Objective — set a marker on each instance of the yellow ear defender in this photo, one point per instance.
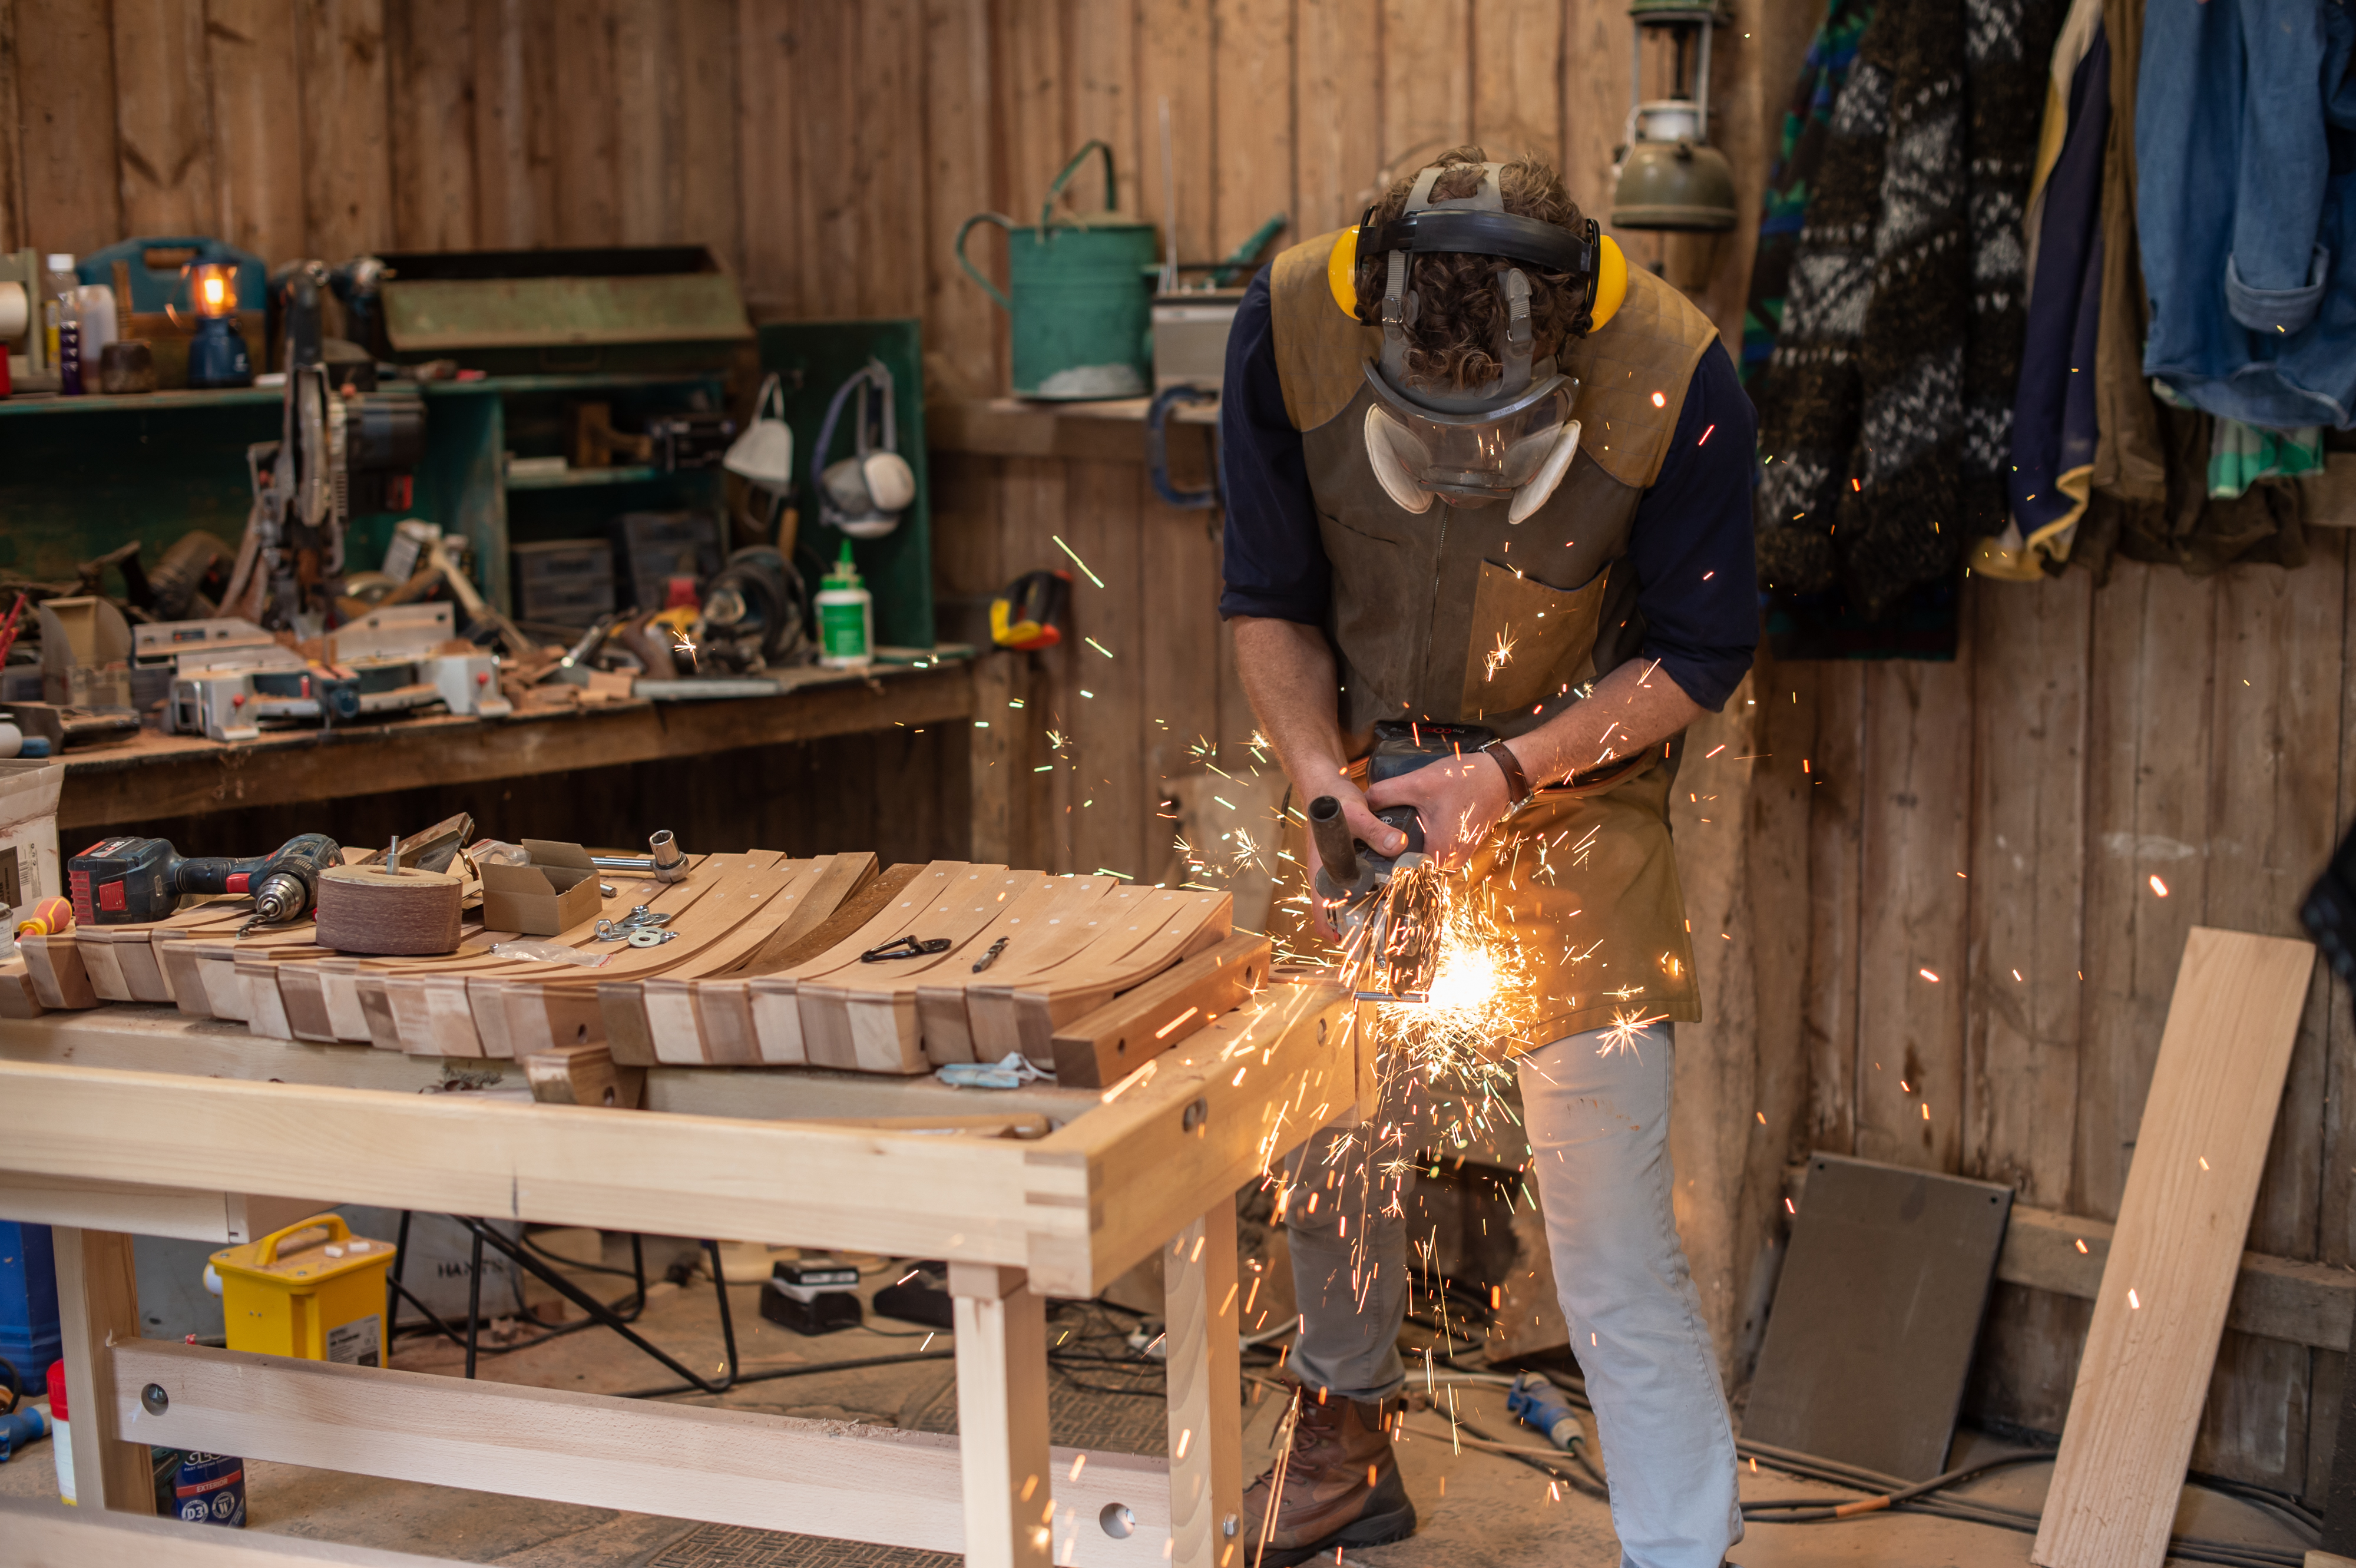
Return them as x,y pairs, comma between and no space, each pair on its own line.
1611,282
1341,270
1611,276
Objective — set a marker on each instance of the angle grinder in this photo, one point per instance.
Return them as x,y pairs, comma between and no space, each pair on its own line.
127,881
1387,911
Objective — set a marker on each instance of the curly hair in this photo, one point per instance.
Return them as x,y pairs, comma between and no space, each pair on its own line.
1460,317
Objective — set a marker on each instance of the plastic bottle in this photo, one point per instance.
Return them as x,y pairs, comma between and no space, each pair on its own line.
61,1441
846,618
99,327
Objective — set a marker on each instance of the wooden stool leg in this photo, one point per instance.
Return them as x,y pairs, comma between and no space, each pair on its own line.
1002,1385
98,1303
1205,1407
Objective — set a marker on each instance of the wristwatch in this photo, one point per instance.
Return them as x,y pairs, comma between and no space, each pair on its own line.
1517,783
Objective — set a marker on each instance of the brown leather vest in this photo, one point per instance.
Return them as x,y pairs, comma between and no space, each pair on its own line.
1457,614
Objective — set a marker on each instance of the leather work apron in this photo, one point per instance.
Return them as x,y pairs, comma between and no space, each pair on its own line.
1459,615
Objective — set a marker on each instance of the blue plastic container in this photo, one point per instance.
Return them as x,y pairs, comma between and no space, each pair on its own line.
29,1301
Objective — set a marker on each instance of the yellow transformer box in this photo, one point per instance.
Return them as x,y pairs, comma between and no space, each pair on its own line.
313,1290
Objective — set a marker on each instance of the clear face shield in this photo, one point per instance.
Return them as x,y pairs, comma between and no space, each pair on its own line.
1517,451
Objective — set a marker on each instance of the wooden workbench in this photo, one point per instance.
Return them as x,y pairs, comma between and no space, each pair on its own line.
134,1120
155,776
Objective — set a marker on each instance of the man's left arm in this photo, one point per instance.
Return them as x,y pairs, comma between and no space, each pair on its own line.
1691,548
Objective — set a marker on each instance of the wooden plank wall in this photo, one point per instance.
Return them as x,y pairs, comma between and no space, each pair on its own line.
826,151
1994,822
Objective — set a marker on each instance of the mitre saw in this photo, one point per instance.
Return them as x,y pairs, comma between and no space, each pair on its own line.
339,450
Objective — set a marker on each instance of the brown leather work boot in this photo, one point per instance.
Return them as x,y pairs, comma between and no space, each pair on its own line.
1342,1486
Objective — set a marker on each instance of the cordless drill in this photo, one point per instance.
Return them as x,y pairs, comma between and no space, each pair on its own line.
126,881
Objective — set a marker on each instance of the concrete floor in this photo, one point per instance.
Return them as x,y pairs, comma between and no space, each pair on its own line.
1478,1511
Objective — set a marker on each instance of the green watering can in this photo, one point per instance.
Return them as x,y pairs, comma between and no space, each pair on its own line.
1083,303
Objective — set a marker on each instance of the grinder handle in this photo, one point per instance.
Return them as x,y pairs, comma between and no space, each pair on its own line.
1337,849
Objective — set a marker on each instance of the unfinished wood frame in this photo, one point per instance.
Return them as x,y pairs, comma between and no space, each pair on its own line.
726,1466
1077,1208
1065,1213
42,1534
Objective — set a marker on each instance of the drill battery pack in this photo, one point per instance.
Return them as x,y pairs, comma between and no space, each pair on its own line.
812,1298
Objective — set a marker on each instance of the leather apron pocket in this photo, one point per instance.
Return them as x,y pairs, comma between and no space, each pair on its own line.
1528,640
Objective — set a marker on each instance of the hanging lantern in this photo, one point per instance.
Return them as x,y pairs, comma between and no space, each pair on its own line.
1669,176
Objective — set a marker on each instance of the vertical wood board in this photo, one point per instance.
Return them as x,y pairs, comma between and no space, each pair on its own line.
2199,1154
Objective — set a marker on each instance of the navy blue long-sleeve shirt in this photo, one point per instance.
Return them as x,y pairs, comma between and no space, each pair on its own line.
1690,544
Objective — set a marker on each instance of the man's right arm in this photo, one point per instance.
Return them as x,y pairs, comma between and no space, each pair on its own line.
1288,674
1277,581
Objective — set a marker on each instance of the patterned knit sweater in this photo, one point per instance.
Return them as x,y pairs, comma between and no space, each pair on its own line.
1886,408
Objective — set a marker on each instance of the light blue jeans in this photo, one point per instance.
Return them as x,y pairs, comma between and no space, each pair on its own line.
1598,1120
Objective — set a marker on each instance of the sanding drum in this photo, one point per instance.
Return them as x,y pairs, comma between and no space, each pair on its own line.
369,909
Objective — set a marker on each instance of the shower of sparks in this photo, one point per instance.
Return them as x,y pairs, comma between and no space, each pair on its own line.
2158,886
1099,646
1498,657
1076,558
1626,1025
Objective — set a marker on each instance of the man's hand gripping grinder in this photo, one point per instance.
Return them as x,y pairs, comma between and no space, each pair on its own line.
1389,909
129,881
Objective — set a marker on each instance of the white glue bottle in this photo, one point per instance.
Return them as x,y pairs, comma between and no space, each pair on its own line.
846,618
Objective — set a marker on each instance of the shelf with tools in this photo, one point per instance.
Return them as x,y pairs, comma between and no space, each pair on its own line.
154,776
70,495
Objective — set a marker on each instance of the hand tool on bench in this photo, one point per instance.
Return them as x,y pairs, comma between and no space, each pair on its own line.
664,861
129,881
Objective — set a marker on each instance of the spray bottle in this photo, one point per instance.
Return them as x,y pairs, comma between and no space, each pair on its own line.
846,618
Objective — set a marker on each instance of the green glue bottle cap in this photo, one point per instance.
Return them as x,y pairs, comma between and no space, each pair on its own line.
846,571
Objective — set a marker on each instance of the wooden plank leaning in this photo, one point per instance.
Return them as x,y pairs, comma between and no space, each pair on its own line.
2199,1152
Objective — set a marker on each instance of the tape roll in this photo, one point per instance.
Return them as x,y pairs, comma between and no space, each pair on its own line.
15,310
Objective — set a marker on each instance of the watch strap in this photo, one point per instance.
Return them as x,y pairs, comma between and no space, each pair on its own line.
1517,782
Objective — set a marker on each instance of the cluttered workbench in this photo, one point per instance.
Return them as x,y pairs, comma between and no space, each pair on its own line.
193,1129
795,1052
154,775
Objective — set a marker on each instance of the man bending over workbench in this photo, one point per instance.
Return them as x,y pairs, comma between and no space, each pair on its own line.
1416,534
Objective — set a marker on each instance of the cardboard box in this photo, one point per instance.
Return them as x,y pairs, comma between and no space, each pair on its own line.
554,894
29,871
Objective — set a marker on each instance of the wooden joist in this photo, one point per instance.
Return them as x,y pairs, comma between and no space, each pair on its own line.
1118,1037
54,963
723,1007
766,962
584,1075
774,998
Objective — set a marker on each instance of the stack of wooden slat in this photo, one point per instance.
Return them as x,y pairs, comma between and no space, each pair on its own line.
769,961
